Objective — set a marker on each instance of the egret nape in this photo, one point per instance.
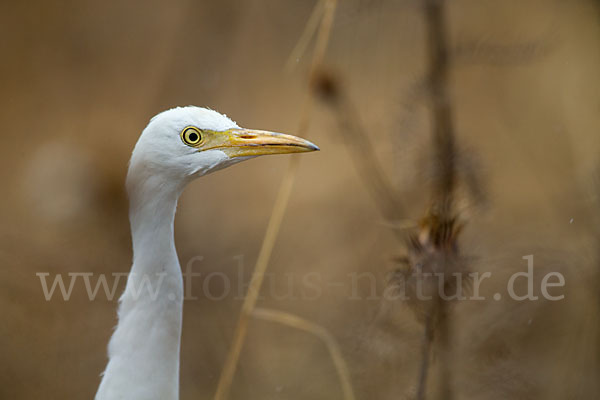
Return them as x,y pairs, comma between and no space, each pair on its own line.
177,146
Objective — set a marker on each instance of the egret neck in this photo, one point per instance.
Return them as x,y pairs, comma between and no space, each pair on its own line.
150,311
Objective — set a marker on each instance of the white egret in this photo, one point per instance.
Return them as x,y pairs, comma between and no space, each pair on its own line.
176,147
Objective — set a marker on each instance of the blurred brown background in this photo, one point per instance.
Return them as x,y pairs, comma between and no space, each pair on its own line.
80,80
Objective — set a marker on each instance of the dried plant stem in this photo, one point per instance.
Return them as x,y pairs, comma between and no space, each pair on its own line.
437,330
256,282
364,153
425,356
444,337
439,229
277,214
309,31
320,332
443,132
357,140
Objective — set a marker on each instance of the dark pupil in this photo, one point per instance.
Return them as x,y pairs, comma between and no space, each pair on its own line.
192,136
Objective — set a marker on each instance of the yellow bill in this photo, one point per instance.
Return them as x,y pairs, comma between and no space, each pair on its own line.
240,142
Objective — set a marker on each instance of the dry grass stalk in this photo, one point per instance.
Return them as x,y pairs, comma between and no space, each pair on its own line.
437,239
309,31
318,331
277,214
433,256
332,92
432,249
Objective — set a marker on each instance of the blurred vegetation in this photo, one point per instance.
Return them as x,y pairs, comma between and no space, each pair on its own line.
81,79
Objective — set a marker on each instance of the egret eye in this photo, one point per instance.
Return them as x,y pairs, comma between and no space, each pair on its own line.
191,136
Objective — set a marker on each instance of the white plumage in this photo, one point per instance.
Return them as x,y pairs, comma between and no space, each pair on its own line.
144,349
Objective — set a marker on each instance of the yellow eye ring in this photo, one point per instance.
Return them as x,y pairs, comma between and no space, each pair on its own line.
191,136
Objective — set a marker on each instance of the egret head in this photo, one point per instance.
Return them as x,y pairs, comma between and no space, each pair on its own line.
187,142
